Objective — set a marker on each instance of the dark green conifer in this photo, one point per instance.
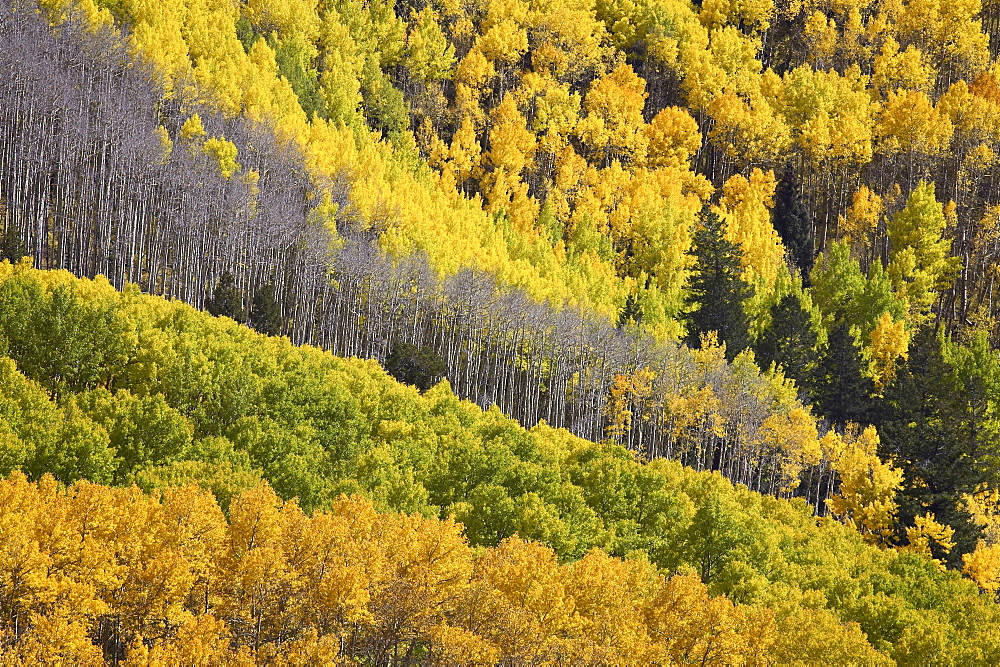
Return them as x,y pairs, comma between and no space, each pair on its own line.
793,223
790,341
717,290
934,425
419,366
226,299
841,390
11,246
265,311
631,312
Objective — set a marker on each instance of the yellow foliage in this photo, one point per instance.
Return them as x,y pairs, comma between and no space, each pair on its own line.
983,566
224,152
613,126
928,533
192,128
909,123
793,440
888,343
866,498
745,204
672,138
863,217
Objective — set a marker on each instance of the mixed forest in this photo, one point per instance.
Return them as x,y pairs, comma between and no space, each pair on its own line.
687,313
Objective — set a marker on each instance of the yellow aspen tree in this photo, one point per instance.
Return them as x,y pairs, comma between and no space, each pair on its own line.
791,438
672,138
866,497
860,224
896,69
429,55
472,75
613,125
512,147
821,37
887,344
612,597
749,132
982,565
910,125
746,204
927,534
465,151
287,17
224,152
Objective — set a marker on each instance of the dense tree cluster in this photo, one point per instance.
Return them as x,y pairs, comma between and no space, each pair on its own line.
545,196
175,397
98,573
499,347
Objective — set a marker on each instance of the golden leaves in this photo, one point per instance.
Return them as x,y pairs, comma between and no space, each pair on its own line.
170,581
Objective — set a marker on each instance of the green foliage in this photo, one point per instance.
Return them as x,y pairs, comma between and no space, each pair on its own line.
842,291
295,63
717,289
919,265
60,340
205,401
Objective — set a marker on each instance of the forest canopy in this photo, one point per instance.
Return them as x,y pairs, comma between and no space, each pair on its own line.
182,415
759,241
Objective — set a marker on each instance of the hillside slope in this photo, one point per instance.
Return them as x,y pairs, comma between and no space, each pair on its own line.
124,388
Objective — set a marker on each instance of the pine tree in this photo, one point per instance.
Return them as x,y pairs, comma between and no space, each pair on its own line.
265,311
841,389
226,300
790,341
717,289
793,223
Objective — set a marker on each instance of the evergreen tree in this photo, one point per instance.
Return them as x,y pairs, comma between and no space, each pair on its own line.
841,390
790,341
793,223
631,312
933,422
11,246
226,299
265,311
717,289
419,366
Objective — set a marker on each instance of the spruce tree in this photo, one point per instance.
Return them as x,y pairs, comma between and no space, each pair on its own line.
790,341
419,366
935,425
717,290
265,311
226,300
631,312
11,247
793,223
841,390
